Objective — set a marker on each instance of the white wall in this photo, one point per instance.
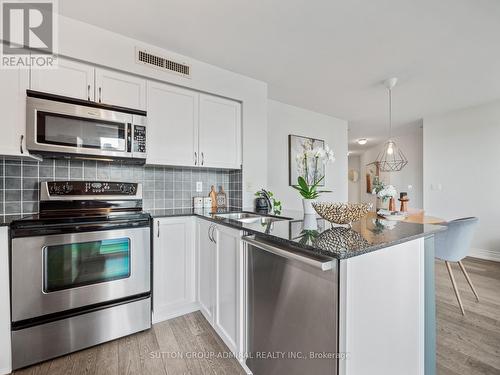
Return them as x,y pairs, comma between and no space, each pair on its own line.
354,188
410,178
92,44
285,119
462,170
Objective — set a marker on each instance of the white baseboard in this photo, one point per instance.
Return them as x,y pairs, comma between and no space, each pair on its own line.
160,316
485,254
5,370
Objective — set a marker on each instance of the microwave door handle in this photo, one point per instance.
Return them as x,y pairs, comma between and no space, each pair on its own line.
128,127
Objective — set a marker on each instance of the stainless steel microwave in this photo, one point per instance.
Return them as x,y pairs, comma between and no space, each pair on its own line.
59,125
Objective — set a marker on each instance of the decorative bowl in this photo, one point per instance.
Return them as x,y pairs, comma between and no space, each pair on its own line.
340,240
341,213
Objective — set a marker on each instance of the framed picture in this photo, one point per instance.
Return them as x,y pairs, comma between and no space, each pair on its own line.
372,171
297,145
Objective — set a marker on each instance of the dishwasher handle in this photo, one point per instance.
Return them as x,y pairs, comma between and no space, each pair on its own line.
324,265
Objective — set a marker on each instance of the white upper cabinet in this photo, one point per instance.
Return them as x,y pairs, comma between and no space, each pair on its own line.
185,128
115,88
220,132
69,78
172,125
84,81
174,288
14,83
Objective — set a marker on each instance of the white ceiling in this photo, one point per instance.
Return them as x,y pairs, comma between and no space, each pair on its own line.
329,55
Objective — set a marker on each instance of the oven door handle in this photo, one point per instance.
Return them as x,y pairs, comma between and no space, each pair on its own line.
27,230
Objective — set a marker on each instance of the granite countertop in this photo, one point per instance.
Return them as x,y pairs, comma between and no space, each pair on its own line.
313,234
5,220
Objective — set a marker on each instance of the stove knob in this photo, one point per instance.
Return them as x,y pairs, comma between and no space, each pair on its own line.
51,189
132,189
67,188
122,188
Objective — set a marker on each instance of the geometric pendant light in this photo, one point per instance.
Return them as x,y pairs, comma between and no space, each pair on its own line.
391,158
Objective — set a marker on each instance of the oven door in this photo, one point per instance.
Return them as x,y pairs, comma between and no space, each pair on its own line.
58,127
55,273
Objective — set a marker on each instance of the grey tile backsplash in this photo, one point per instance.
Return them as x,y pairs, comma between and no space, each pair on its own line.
164,187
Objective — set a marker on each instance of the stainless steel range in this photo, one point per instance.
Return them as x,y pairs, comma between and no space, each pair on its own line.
80,270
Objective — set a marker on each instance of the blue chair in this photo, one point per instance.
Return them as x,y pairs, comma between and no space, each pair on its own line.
453,245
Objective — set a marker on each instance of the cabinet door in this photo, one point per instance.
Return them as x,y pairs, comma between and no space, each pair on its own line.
120,89
220,132
69,78
206,265
13,109
228,291
174,285
172,125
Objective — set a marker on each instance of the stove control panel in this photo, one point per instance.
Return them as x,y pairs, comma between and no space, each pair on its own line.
89,188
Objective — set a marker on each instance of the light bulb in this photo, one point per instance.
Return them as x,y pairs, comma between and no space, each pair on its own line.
390,148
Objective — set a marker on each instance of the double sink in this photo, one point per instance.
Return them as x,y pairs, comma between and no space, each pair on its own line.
250,218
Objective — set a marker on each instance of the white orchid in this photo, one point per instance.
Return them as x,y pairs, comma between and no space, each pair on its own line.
320,152
310,160
387,192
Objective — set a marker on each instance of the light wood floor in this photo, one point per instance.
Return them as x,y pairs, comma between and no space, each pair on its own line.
150,352
467,345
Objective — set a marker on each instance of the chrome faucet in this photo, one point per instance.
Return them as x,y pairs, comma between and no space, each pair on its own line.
265,195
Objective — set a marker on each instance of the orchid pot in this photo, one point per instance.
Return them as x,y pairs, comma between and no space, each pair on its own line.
308,207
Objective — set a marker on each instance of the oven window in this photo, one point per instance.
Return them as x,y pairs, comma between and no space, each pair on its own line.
63,130
71,265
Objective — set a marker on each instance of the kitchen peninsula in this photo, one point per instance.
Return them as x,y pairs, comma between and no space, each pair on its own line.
352,299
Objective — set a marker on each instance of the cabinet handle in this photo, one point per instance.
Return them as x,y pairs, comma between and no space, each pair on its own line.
88,92
100,96
158,225
209,235
213,234
21,144
195,158
202,158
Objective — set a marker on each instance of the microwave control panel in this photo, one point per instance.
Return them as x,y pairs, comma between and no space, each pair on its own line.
139,138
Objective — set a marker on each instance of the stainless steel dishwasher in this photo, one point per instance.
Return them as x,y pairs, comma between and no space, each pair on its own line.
292,311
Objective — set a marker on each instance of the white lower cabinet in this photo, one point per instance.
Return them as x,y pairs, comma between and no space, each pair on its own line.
174,287
220,282
228,287
206,269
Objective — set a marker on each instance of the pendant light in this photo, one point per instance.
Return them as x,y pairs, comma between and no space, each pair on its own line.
391,158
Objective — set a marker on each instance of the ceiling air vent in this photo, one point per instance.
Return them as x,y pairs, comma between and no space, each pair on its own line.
163,63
